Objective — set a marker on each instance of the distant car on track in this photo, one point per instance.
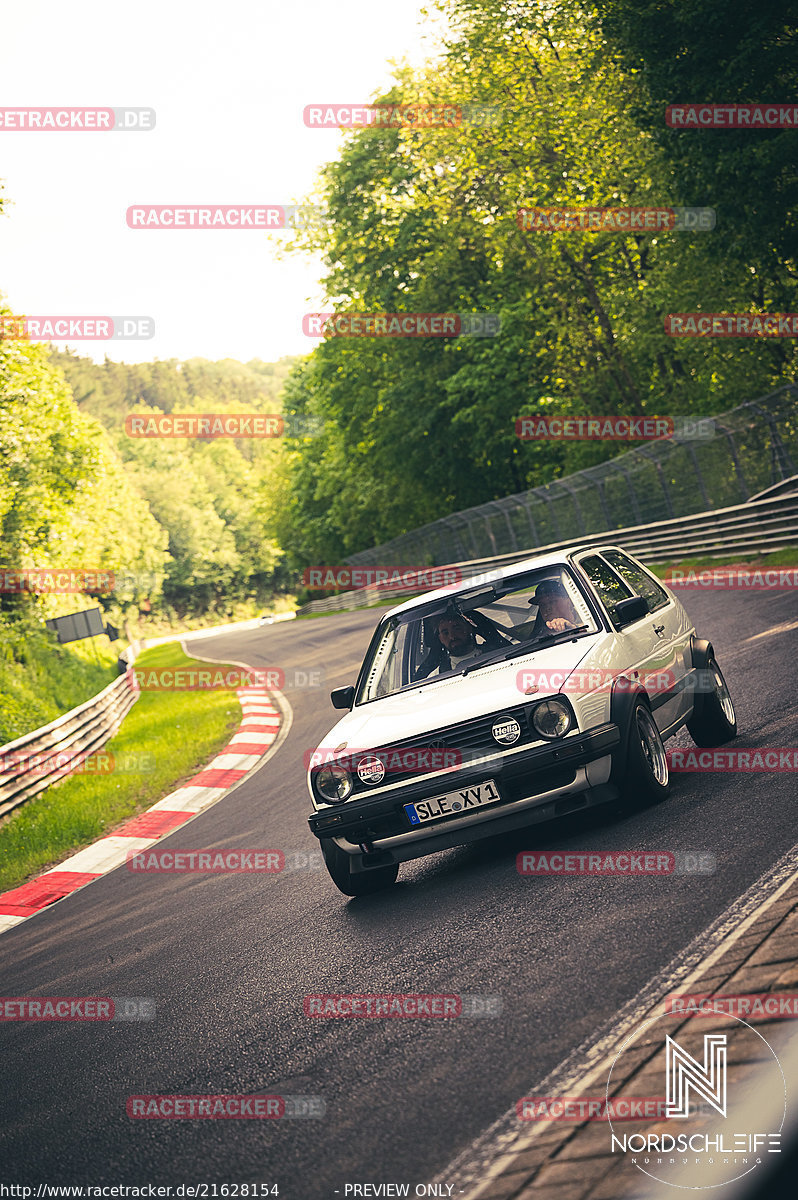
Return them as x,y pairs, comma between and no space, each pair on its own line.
533,691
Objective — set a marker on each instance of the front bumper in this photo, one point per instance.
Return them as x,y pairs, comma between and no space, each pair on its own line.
537,784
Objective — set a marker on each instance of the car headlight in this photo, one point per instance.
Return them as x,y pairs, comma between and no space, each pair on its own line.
552,718
333,783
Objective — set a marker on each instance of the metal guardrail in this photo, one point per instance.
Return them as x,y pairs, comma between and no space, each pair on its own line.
33,762
744,452
36,760
756,527
778,489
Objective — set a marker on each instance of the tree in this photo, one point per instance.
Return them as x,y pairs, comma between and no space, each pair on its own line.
425,219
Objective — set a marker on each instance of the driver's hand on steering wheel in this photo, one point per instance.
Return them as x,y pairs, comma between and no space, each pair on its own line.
558,624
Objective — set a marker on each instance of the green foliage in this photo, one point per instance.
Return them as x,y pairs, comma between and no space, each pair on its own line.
65,498
706,51
182,524
425,220
211,498
40,680
112,390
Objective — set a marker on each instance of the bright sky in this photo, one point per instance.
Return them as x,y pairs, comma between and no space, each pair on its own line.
228,82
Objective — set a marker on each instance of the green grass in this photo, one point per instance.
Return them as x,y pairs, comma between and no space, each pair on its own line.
786,557
180,731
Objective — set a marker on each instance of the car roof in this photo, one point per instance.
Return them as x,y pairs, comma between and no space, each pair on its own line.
552,559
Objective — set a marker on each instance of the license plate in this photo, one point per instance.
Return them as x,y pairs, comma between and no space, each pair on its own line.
453,803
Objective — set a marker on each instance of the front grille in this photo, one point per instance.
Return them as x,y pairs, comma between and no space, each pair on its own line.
471,738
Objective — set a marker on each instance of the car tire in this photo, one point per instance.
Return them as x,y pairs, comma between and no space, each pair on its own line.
361,883
714,721
647,775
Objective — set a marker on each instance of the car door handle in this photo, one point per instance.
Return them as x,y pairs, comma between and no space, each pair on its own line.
659,630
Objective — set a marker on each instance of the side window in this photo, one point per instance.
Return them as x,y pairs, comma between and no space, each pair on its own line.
638,580
609,588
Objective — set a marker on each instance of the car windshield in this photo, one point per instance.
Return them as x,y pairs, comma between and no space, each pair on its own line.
476,623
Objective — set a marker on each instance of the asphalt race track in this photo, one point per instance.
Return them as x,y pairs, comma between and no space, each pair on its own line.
229,958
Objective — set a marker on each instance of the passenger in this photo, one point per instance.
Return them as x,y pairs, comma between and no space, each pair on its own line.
555,609
555,614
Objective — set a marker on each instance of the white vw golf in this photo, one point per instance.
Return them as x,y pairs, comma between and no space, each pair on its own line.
533,691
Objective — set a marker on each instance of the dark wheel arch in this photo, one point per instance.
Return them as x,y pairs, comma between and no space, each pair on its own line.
701,652
713,721
622,705
633,777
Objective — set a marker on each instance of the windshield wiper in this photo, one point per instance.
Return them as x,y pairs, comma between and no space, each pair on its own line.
526,648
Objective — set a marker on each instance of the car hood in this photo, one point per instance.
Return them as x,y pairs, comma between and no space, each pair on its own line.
453,699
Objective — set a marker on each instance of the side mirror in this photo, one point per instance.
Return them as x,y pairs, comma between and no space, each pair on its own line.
342,697
627,611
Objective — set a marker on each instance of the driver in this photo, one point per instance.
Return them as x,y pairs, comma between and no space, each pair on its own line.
455,641
458,639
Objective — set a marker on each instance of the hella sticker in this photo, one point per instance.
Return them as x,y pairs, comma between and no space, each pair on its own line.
506,731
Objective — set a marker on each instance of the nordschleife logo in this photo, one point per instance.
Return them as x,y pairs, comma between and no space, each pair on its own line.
683,1073
722,1106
